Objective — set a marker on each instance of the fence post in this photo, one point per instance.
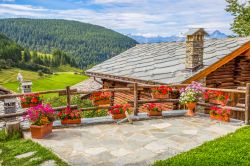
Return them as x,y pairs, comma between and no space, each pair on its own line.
135,99
112,97
247,103
68,96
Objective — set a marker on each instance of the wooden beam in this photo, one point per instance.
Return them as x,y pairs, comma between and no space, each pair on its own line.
219,63
136,107
247,103
68,96
247,53
226,107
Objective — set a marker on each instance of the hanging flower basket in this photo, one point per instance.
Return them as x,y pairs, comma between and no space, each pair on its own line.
40,132
24,105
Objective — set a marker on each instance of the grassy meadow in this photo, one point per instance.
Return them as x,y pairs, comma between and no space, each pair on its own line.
47,82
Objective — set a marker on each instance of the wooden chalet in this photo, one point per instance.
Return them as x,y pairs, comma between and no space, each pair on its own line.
217,63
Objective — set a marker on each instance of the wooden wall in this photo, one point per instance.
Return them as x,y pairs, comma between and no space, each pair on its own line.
231,75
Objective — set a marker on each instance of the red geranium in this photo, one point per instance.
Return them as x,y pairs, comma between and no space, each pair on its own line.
31,99
217,95
162,89
119,109
153,107
97,96
69,114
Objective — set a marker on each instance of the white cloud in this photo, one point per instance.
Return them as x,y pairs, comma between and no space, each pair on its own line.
160,17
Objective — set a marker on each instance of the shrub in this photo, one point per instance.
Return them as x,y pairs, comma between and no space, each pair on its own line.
40,73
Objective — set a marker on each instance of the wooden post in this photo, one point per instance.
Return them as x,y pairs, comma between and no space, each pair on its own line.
68,96
247,102
135,99
112,98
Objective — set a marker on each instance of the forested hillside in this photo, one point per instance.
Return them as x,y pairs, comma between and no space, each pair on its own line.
88,44
13,55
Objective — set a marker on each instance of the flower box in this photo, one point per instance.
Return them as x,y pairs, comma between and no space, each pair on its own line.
101,102
25,105
40,132
159,96
118,116
154,113
71,121
219,102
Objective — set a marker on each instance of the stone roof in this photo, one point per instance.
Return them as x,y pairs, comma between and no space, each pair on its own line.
164,62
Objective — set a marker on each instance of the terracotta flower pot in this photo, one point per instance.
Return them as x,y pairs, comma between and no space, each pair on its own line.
226,118
154,113
212,116
159,96
101,102
191,107
118,116
25,105
34,104
39,132
71,121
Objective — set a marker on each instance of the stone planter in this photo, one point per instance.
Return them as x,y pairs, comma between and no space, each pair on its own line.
191,107
118,116
40,132
154,113
71,121
159,96
101,102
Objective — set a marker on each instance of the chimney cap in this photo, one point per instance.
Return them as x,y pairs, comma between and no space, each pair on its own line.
194,31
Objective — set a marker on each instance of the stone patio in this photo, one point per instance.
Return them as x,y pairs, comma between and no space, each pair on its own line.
139,144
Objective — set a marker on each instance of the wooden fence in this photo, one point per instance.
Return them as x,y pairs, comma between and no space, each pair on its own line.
136,89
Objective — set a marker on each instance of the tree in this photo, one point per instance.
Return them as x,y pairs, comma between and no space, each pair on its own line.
26,55
241,13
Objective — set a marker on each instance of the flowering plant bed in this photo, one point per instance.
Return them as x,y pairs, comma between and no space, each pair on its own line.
41,118
191,95
216,97
101,98
30,100
154,109
68,116
220,114
118,111
161,92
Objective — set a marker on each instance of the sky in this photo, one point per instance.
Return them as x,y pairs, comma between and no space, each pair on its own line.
138,17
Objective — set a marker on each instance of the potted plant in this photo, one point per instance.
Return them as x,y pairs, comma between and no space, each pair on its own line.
30,100
216,97
161,92
101,98
190,96
153,109
68,116
220,114
118,111
41,118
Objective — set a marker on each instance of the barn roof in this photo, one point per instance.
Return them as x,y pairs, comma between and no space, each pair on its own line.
164,62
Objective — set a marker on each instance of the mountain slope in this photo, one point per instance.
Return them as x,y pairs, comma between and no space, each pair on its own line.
89,44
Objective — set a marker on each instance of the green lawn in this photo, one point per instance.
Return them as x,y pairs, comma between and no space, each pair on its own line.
11,147
49,82
233,149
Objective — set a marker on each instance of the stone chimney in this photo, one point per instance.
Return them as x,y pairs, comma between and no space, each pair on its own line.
194,48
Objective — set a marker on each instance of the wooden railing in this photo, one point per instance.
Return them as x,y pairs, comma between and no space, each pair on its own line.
136,90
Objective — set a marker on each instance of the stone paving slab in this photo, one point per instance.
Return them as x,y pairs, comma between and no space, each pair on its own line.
139,144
